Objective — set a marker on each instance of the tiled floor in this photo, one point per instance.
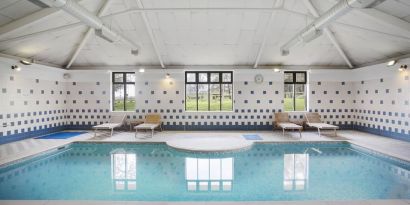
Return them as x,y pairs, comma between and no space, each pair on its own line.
400,149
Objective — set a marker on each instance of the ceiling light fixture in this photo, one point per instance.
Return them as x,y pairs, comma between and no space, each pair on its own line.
167,75
16,67
391,63
141,70
26,62
402,68
276,70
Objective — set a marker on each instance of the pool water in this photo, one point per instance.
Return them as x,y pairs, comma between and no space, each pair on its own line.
155,172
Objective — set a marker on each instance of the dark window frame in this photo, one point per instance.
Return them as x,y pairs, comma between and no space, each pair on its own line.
208,82
294,73
124,83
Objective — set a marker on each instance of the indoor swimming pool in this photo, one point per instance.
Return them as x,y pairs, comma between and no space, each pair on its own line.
155,172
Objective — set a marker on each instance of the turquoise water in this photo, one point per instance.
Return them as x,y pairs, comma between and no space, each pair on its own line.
154,172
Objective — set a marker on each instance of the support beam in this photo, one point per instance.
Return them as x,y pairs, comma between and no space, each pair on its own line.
18,58
380,33
40,33
201,67
17,25
397,58
76,10
314,29
129,11
389,21
150,33
328,33
10,29
278,4
87,35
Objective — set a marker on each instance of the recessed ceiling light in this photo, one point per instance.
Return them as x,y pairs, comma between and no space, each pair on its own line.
141,70
26,62
276,70
391,63
402,68
16,67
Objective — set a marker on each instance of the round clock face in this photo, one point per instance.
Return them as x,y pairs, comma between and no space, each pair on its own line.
258,78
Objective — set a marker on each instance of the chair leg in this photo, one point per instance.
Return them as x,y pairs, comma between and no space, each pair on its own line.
283,131
136,130
335,133
318,130
112,131
152,133
300,133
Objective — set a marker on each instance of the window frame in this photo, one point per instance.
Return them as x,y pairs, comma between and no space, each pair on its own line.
124,83
208,82
295,82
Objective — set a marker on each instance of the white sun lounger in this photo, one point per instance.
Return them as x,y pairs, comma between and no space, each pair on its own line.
115,121
152,121
282,121
313,120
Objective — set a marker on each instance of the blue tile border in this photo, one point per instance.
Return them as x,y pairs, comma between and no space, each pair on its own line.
217,127
384,133
30,134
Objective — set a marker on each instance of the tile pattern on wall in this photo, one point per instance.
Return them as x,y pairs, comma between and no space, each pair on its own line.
34,106
31,107
382,106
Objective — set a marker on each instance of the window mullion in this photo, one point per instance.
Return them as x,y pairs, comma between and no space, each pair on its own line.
294,98
220,96
197,85
125,89
209,91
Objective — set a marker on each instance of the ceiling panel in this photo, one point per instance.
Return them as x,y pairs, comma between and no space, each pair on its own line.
398,8
18,9
222,37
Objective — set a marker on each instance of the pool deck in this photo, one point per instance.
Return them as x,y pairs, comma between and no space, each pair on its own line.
26,148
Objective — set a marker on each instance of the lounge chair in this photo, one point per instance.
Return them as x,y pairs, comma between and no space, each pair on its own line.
151,122
115,121
282,121
313,120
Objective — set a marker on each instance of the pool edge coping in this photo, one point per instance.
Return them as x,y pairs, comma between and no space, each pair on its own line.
55,148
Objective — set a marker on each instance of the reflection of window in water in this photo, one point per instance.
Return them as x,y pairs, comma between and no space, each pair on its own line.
124,171
296,172
209,174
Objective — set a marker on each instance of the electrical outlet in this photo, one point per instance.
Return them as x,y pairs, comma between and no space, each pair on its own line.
4,124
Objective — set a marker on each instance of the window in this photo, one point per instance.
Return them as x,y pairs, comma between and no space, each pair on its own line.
202,174
208,91
123,91
295,91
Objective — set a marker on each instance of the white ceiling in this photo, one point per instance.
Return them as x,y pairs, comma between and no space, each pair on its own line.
223,37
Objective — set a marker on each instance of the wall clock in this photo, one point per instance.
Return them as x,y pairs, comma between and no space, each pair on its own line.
258,79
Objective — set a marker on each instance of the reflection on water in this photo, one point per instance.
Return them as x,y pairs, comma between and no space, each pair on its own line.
153,172
203,174
124,171
296,172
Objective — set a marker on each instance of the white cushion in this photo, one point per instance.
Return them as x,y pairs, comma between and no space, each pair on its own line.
288,125
107,126
323,126
146,126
